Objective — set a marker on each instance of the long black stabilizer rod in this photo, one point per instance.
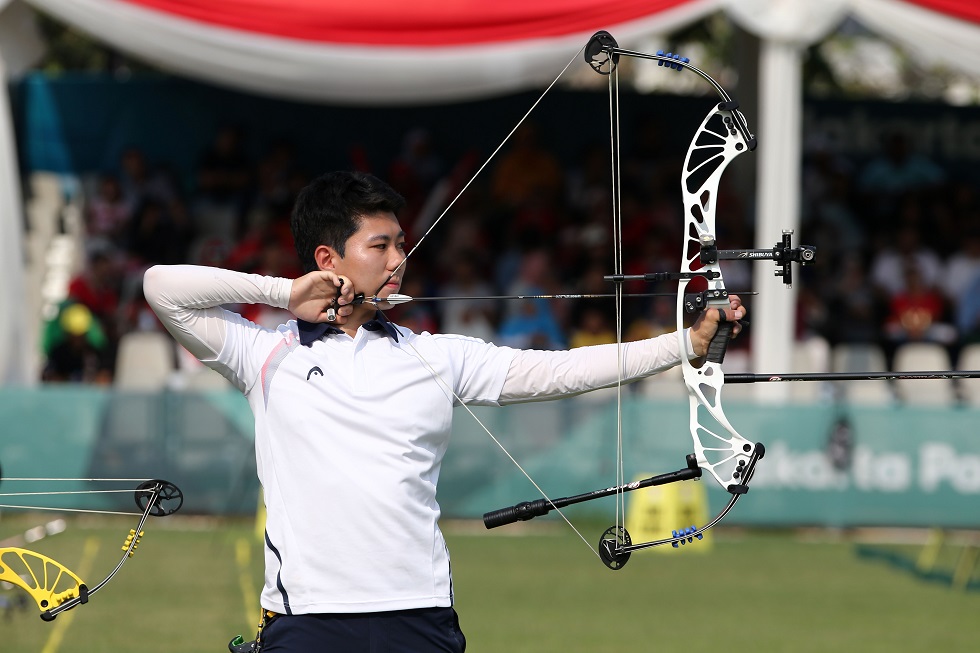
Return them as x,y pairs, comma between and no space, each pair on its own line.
530,509
850,376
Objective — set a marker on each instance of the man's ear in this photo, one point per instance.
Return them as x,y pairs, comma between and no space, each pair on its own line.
326,257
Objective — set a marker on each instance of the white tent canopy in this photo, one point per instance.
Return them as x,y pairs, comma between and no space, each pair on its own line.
390,52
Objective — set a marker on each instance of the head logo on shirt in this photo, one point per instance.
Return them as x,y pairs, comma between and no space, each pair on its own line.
314,370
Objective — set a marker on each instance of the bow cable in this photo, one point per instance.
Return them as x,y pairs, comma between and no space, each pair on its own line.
507,453
55,492
87,480
69,492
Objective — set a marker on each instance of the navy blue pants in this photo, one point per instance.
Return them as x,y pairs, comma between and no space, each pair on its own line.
425,630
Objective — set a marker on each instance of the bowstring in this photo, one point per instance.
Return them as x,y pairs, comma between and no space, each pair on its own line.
57,492
617,236
95,512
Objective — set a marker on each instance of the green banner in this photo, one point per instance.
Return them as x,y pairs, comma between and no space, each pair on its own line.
825,464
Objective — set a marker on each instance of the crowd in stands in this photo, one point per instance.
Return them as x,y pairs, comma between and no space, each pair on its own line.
898,242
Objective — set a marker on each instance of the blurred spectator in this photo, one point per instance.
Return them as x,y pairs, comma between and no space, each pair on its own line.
829,219
964,265
968,313
888,271
651,217
158,235
97,288
224,172
224,178
531,323
107,214
249,252
418,166
531,326
535,276
76,347
273,194
647,162
470,317
917,313
587,181
823,172
593,325
854,307
527,172
896,173
139,184
660,318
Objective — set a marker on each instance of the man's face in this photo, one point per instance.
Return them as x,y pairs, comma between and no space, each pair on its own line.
373,253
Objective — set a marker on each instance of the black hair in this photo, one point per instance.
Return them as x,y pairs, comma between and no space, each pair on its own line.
328,211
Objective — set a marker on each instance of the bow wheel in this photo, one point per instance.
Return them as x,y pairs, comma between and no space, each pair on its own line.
611,544
162,497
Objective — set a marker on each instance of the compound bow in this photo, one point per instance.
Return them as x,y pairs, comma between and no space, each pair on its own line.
719,448
53,586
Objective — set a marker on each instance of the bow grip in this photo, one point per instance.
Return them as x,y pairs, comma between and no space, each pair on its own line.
719,344
521,512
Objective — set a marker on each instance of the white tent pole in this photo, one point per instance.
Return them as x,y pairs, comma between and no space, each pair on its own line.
778,193
16,343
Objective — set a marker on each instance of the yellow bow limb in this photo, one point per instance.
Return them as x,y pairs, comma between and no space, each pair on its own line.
48,581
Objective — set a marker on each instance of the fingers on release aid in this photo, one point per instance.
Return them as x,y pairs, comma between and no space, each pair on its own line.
332,309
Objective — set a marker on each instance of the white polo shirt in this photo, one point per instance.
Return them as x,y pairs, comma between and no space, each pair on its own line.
350,436
350,432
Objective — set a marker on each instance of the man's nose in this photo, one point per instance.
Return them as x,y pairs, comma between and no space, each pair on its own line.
395,260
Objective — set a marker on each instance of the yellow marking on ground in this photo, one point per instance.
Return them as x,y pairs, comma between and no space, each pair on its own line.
63,621
243,558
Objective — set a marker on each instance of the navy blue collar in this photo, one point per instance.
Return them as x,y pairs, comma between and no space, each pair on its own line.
310,332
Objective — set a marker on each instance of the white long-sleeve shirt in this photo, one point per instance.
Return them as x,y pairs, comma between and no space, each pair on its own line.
350,432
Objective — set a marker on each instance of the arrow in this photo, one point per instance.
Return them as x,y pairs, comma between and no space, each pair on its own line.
396,299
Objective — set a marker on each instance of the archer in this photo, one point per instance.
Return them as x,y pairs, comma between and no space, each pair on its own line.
353,549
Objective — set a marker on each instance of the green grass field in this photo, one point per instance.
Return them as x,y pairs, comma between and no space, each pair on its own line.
193,585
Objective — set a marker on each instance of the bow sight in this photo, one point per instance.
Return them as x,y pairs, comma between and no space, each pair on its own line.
783,254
